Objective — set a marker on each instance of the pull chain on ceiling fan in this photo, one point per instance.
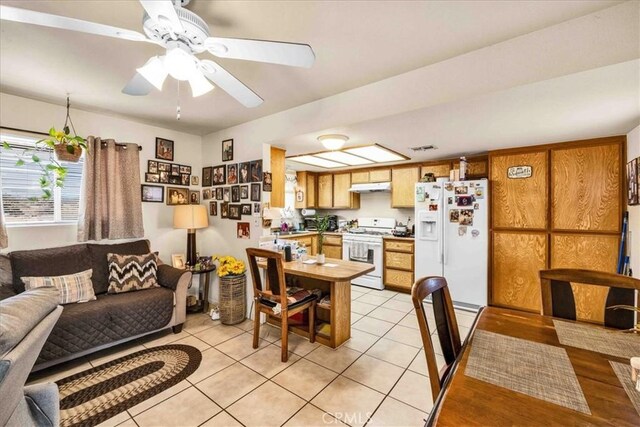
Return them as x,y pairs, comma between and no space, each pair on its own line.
183,35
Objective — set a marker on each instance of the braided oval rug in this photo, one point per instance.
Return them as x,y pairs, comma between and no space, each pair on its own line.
95,395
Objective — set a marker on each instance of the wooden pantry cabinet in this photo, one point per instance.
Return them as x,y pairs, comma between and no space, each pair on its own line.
398,266
403,185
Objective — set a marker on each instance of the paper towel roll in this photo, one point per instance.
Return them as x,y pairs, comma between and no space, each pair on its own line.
308,212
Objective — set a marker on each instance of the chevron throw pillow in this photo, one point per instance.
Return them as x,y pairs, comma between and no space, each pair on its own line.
132,272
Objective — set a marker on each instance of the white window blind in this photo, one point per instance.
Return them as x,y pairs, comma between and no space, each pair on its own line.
21,192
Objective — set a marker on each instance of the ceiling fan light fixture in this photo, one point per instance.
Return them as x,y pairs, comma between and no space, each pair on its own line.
154,72
333,141
199,85
180,64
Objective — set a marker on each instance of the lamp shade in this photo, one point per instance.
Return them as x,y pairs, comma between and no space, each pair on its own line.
190,216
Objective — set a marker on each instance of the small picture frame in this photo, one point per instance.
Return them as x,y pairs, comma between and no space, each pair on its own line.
185,169
177,196
244,174
195,180
219,194
246,209
152,177
243,230
164,177
175,170
235,194
175,180
633,182
256,171
266,182
194,197
207,176
256,209
185,179
255,192
213,208
164,149
226,194
232,173
206,194
227,150
152,166
178,261
152,193
244,192
220,175
224,210
164,167
235,212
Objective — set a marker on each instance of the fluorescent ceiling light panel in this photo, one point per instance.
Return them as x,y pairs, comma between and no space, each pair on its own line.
375,153
317,161
342,157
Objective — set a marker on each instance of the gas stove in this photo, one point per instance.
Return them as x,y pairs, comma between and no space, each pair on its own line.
373,227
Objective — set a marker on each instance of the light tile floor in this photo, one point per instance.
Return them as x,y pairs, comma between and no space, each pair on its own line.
377,378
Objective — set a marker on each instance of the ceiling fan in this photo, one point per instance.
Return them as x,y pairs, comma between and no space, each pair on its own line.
184,35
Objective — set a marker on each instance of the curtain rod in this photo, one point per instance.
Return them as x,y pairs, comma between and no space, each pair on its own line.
46,134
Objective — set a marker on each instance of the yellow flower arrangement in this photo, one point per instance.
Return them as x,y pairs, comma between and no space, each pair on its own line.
229,266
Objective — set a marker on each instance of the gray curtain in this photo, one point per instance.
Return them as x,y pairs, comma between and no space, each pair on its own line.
110,205
4,240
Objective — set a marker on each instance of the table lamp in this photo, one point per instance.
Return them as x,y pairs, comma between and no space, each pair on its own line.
191,217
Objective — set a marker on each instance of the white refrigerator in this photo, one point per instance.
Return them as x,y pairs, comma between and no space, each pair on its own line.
452,237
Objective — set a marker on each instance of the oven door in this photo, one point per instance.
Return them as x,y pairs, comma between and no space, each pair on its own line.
365,251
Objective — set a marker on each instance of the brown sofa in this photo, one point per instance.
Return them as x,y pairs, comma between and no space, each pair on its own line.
111,319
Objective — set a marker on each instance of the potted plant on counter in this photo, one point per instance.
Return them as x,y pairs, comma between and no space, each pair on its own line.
322,224
233,284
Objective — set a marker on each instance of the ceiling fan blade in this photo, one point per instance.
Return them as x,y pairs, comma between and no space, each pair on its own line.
163,12
26,16
138,86
230,84
293,54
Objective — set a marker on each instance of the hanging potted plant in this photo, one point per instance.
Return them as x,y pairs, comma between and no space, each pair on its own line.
67,148
233,285
322,224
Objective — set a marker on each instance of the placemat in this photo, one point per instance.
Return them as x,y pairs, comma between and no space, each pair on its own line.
537,370
597,338
623,372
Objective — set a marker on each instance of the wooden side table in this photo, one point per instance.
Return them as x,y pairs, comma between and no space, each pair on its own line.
204,276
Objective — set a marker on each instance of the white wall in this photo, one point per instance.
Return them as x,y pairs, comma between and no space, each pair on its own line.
23,113
633,151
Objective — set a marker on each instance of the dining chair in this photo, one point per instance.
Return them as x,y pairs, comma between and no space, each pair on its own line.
267,298
446,325
558,299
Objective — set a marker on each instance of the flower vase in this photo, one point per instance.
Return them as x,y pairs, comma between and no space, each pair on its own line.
233,299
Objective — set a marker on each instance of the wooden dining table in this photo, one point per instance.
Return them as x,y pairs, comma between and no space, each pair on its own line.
467,400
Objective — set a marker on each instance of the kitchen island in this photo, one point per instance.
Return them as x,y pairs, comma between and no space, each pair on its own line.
333,278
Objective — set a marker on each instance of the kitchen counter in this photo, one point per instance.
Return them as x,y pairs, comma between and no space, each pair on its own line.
411,238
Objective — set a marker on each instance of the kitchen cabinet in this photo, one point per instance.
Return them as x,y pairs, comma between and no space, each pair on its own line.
398,268
332,246
277,177
325,191
307,184
439,170
309,240
342,197
374,175
403,181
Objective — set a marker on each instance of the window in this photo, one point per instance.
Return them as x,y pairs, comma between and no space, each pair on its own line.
21,192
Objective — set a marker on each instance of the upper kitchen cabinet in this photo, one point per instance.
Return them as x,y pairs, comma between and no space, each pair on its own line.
403,184
374,175
439,169
325,191
277,177
342,197
306,187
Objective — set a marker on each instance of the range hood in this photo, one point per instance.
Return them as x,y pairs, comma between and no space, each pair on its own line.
370,188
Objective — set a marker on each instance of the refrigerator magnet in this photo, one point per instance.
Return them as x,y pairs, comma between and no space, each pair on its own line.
433,207
475,233
462,230
462,189
454,215
465,200
466,217
448,186
476,206
479,193
450,200
420,197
